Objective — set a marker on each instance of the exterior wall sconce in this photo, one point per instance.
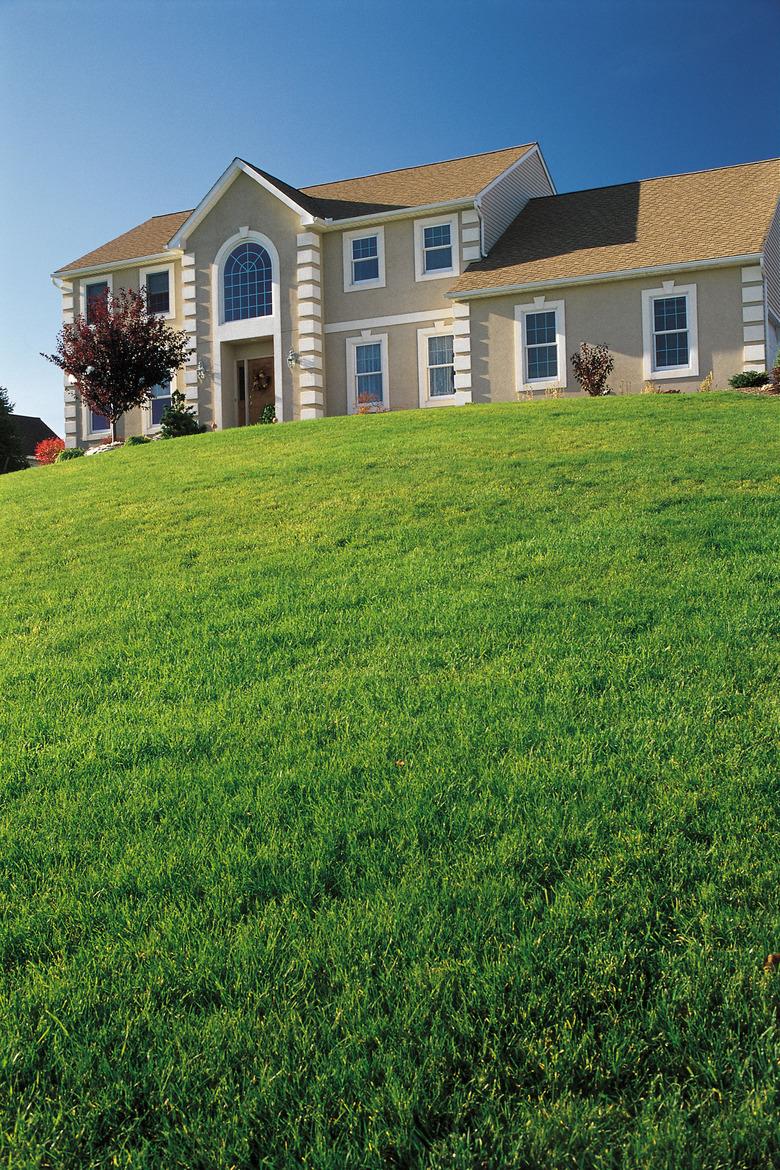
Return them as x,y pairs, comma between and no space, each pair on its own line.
293,359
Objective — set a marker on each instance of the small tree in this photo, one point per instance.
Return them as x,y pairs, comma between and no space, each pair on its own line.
592,366
118,357
48,449
178,419
11,453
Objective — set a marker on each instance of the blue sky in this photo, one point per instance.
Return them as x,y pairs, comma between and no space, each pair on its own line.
112,112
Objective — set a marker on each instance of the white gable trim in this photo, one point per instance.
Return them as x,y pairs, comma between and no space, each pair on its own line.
226,179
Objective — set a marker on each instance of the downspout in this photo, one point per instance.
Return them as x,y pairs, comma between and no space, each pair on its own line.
478,209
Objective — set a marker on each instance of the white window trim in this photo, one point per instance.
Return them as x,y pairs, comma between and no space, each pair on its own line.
540,305
419,253
105,278
150,428
144,273
361,234
458,397
649,295
366,338
86,424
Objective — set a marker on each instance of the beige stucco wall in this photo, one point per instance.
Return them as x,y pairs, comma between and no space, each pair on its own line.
401,294
402,373
610,313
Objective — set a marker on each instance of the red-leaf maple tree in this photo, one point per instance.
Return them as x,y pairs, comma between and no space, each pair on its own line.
117,357
48,449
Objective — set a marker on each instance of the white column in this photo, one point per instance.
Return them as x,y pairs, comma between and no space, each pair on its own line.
469,236
190,314
71,406
753,335
462,345
311,384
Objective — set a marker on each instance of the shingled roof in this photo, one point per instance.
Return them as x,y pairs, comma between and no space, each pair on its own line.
441,182
672,220
148,239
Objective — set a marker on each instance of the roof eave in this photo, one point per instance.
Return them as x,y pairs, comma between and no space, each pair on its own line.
602,277
116,265
330,225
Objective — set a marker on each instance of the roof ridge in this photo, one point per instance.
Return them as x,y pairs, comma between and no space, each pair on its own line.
659,178
163,214
419,166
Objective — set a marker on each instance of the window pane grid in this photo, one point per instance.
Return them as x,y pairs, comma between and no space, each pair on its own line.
248,283
161,398
157,292
437,247
98,422
441,371
364,247
541,347
670,332
368,372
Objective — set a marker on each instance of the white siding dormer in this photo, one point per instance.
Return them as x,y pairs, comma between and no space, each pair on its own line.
503,199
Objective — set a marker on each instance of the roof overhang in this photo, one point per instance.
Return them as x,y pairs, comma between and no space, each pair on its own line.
210,200
498,290
116,265
333,225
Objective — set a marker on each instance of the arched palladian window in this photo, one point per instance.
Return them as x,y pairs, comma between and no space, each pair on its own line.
247,282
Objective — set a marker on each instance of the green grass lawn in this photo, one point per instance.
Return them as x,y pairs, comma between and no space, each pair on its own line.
397,791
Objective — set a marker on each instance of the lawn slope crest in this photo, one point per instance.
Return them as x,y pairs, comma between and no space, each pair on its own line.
395,791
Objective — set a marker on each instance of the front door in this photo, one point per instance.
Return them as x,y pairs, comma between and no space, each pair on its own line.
255,379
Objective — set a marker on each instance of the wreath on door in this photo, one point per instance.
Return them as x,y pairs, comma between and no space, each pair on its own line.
260,382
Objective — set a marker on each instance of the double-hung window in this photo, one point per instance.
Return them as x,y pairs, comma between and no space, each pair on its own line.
541,344
440,365
98,423
159,295
95,294
438,354
364,259
669,332
436,247
161,399
367,371
541,349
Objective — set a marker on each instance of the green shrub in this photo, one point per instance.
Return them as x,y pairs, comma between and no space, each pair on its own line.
179,419
69,453
748,378
268,414
136,440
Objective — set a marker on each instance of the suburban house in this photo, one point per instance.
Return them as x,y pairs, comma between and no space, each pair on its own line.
462,281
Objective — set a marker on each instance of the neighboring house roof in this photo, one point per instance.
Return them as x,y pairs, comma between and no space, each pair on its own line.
656,222
31,431
442,182
148,239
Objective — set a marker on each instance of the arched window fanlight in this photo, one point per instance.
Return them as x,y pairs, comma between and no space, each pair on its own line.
247,282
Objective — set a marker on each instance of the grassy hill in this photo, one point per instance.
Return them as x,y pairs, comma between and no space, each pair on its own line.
395,792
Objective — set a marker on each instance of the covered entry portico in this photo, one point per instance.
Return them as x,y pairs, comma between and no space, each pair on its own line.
249,381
